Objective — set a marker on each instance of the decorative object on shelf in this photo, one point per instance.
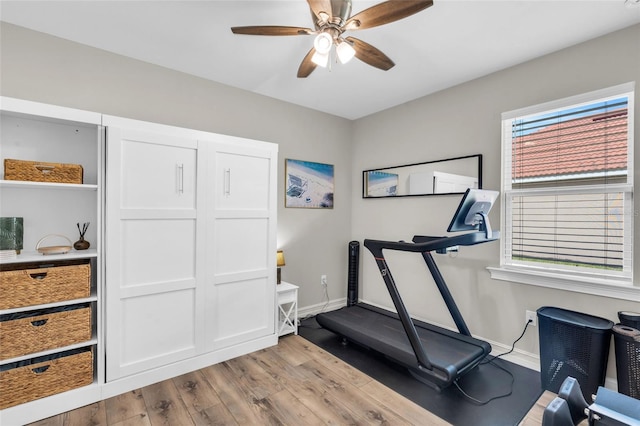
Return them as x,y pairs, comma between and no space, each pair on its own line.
308,184
7,255
38,171
61,249
280,261
11,233
82,244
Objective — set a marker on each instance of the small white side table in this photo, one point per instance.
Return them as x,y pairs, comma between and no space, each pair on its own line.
287,308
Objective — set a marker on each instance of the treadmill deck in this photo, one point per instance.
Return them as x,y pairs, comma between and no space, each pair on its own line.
451,354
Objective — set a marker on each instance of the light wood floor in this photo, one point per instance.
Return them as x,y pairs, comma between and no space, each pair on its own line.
534,417
293,383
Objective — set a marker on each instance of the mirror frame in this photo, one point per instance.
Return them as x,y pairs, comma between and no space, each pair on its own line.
364,177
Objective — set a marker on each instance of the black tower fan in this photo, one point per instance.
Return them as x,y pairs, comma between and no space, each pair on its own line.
352,279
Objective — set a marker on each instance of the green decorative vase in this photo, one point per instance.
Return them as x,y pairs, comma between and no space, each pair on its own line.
11,233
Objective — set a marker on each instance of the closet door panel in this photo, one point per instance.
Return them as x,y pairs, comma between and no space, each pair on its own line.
155,314
158,251
240,310
245,244
158,175
245,180
241,226
157,330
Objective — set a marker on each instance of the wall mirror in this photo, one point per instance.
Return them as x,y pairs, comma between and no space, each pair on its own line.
448,176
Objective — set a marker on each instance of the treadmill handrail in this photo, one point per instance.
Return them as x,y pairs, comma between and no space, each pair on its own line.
407,323
422,244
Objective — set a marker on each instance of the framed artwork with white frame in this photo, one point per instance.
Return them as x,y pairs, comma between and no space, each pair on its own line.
308,184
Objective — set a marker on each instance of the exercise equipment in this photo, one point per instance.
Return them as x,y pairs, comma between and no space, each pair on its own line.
609,408
434,355
557,413
570,391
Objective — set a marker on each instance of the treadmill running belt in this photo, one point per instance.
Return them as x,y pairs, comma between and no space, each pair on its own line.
380,330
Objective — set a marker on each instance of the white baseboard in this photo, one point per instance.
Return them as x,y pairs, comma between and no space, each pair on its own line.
331,305
519,357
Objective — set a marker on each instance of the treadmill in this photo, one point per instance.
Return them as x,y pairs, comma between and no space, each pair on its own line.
434,355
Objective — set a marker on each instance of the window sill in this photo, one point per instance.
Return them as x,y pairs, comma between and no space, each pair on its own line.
588,285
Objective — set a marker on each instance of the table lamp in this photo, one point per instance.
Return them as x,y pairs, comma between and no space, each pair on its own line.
280,260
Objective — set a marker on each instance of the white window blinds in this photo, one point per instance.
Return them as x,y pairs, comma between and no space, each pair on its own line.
568,187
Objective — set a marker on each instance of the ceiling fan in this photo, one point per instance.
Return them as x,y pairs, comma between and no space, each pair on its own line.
331,19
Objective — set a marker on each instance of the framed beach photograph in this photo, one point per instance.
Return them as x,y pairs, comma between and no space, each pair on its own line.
308,184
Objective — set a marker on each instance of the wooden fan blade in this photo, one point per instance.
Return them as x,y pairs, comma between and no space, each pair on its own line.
271,30
307,65
318,6
370,55
385,12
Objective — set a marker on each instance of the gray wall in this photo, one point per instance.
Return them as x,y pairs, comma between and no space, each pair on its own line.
467,120
459,121
42,68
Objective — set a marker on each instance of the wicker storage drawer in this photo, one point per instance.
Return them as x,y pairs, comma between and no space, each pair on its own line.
44,377
27,287
41,331
37,171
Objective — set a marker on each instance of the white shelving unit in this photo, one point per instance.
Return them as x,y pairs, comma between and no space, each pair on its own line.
38,132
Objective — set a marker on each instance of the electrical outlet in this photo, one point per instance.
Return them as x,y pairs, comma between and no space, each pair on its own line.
323,280
531,316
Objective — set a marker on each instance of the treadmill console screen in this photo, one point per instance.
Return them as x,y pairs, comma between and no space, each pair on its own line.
474,206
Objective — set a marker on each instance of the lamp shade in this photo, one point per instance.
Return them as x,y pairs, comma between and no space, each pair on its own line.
320,59
345,51
280,258
323,43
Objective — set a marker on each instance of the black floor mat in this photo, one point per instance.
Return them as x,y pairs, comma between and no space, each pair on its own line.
483,383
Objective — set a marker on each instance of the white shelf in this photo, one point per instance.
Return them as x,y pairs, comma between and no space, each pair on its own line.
34,256
39,132
47,185
90,299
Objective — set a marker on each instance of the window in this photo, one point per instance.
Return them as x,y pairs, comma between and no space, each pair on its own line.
568,187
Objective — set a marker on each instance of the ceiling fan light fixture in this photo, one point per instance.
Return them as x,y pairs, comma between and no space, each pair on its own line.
331,18
323,43
320,59
345,51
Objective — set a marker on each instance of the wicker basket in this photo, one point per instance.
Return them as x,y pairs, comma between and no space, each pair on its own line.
45,331
27,287
37,171
627,350
45,377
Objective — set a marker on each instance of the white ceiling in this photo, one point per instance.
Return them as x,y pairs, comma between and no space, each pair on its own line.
447,44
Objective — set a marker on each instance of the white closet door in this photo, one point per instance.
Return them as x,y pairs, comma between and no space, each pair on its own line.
241,223
153,239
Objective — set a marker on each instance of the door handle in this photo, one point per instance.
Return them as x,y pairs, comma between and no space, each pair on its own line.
227,182
180,173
